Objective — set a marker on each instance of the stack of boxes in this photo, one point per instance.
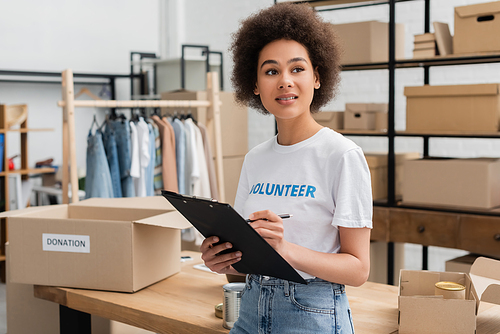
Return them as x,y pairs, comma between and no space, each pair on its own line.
424,46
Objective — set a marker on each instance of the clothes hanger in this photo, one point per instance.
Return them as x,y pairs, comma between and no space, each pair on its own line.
87,92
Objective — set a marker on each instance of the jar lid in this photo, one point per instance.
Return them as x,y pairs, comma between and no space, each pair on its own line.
450,286
218,310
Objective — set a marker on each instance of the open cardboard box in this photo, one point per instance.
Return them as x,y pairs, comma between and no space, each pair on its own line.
119,244
420,311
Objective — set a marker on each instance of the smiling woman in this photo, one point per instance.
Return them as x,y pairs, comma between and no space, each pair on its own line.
285,22
287,64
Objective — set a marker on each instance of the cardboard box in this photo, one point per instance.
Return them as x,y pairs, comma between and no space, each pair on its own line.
28,314
368,42
420,311
119,244
427,37
365,116
461,264
476,28
454,108
377,162
473,183
331,119
234,120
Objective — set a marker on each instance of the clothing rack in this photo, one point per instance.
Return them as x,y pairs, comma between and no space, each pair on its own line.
68,103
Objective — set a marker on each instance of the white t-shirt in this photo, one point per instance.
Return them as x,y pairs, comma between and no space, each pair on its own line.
323,181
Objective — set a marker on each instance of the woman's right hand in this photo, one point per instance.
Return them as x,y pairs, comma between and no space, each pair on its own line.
220,263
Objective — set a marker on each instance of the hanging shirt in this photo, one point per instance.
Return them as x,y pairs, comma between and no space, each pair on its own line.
144,156
192,167
210,161
157,172
201,186
180,154
135,168
168,162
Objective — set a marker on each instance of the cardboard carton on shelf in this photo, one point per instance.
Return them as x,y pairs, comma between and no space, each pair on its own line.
453,108
368,42
470,183
366,116
331,119
476,28
420,311
118,244
377,162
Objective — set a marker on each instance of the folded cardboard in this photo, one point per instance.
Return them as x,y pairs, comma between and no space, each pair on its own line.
420,311
473,183
368,42
427,37
331,119
454,108
234,120
444,41
377,162
424,45
120,244
366,116
424,53
476,28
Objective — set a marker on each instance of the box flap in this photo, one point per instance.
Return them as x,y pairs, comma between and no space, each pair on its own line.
149,203
366,107
485,274
478,10
31,209
452,90
170,219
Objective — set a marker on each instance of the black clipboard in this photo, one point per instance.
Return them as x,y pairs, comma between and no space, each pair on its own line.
213,218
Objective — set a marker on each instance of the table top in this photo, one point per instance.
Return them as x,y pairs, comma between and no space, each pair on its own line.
184,303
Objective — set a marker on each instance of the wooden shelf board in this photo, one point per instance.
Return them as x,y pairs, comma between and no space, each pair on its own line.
453,59
449,134
25,130
29,171
362,132
2,258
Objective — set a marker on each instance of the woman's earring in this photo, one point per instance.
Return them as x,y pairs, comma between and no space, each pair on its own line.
319,85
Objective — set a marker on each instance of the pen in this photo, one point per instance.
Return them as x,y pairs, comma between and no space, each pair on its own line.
282,216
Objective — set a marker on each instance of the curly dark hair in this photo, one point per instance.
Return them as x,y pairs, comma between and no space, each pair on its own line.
298,22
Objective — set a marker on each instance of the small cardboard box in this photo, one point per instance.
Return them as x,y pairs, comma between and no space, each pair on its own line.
476,28
377,162
471,183
420,311
461,264
331,119
368,42
366,116
455,108
119,244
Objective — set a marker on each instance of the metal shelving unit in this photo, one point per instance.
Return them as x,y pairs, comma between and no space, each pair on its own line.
392,65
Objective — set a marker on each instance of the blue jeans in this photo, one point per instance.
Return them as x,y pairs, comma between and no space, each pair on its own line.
121,129
272,305
108,138
98,178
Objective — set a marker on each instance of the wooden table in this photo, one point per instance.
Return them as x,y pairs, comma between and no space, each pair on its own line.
184,303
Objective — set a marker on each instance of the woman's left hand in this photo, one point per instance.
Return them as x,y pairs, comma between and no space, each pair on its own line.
270,226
